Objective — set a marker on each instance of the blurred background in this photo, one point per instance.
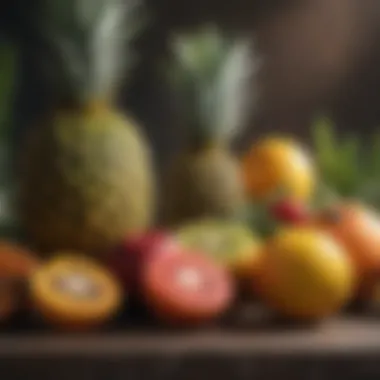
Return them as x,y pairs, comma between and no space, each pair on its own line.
318,55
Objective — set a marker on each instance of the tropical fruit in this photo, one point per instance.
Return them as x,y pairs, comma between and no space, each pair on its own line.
74,292
211,73
17,264
357,228
276,164
232,244
86,180
187,289
304,274
128,258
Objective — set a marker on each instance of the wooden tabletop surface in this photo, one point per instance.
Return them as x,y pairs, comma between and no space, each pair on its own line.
348,336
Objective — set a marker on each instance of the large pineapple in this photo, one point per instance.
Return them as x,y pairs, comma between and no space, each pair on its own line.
87,178
213,74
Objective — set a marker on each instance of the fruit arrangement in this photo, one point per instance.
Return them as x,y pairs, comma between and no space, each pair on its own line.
294,229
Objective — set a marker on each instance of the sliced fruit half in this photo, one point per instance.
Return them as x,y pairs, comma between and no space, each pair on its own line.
74,292
187,289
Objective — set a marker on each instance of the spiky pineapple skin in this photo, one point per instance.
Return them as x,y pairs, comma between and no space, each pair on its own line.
203,183
87,181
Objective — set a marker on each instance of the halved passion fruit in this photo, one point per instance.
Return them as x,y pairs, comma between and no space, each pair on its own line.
16,266
187,289
232,244
74,292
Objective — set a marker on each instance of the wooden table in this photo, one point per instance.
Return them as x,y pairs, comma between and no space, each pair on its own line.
348,348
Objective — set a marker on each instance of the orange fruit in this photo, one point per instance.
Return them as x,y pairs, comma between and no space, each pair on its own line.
357,227
74,292
276,164
305,274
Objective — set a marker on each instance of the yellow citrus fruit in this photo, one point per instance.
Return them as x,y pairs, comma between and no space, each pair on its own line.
278,163
305,274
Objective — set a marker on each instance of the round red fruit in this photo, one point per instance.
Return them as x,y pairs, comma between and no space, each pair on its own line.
290,211
128,259
186,289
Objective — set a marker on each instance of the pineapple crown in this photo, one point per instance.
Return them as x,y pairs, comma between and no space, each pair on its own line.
86,44
213,72
347,167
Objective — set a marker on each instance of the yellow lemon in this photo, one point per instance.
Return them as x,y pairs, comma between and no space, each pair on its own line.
305,274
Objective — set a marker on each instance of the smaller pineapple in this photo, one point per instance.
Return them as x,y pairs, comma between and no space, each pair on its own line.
213,73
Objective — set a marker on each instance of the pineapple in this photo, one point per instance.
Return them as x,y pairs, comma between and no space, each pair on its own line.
87,177
212,72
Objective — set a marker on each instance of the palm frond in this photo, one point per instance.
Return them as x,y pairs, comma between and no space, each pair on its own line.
347,167
337,159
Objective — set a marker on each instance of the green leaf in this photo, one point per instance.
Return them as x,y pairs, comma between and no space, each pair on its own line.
324,196
372,164
324,140
349,165
325,148
339,161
